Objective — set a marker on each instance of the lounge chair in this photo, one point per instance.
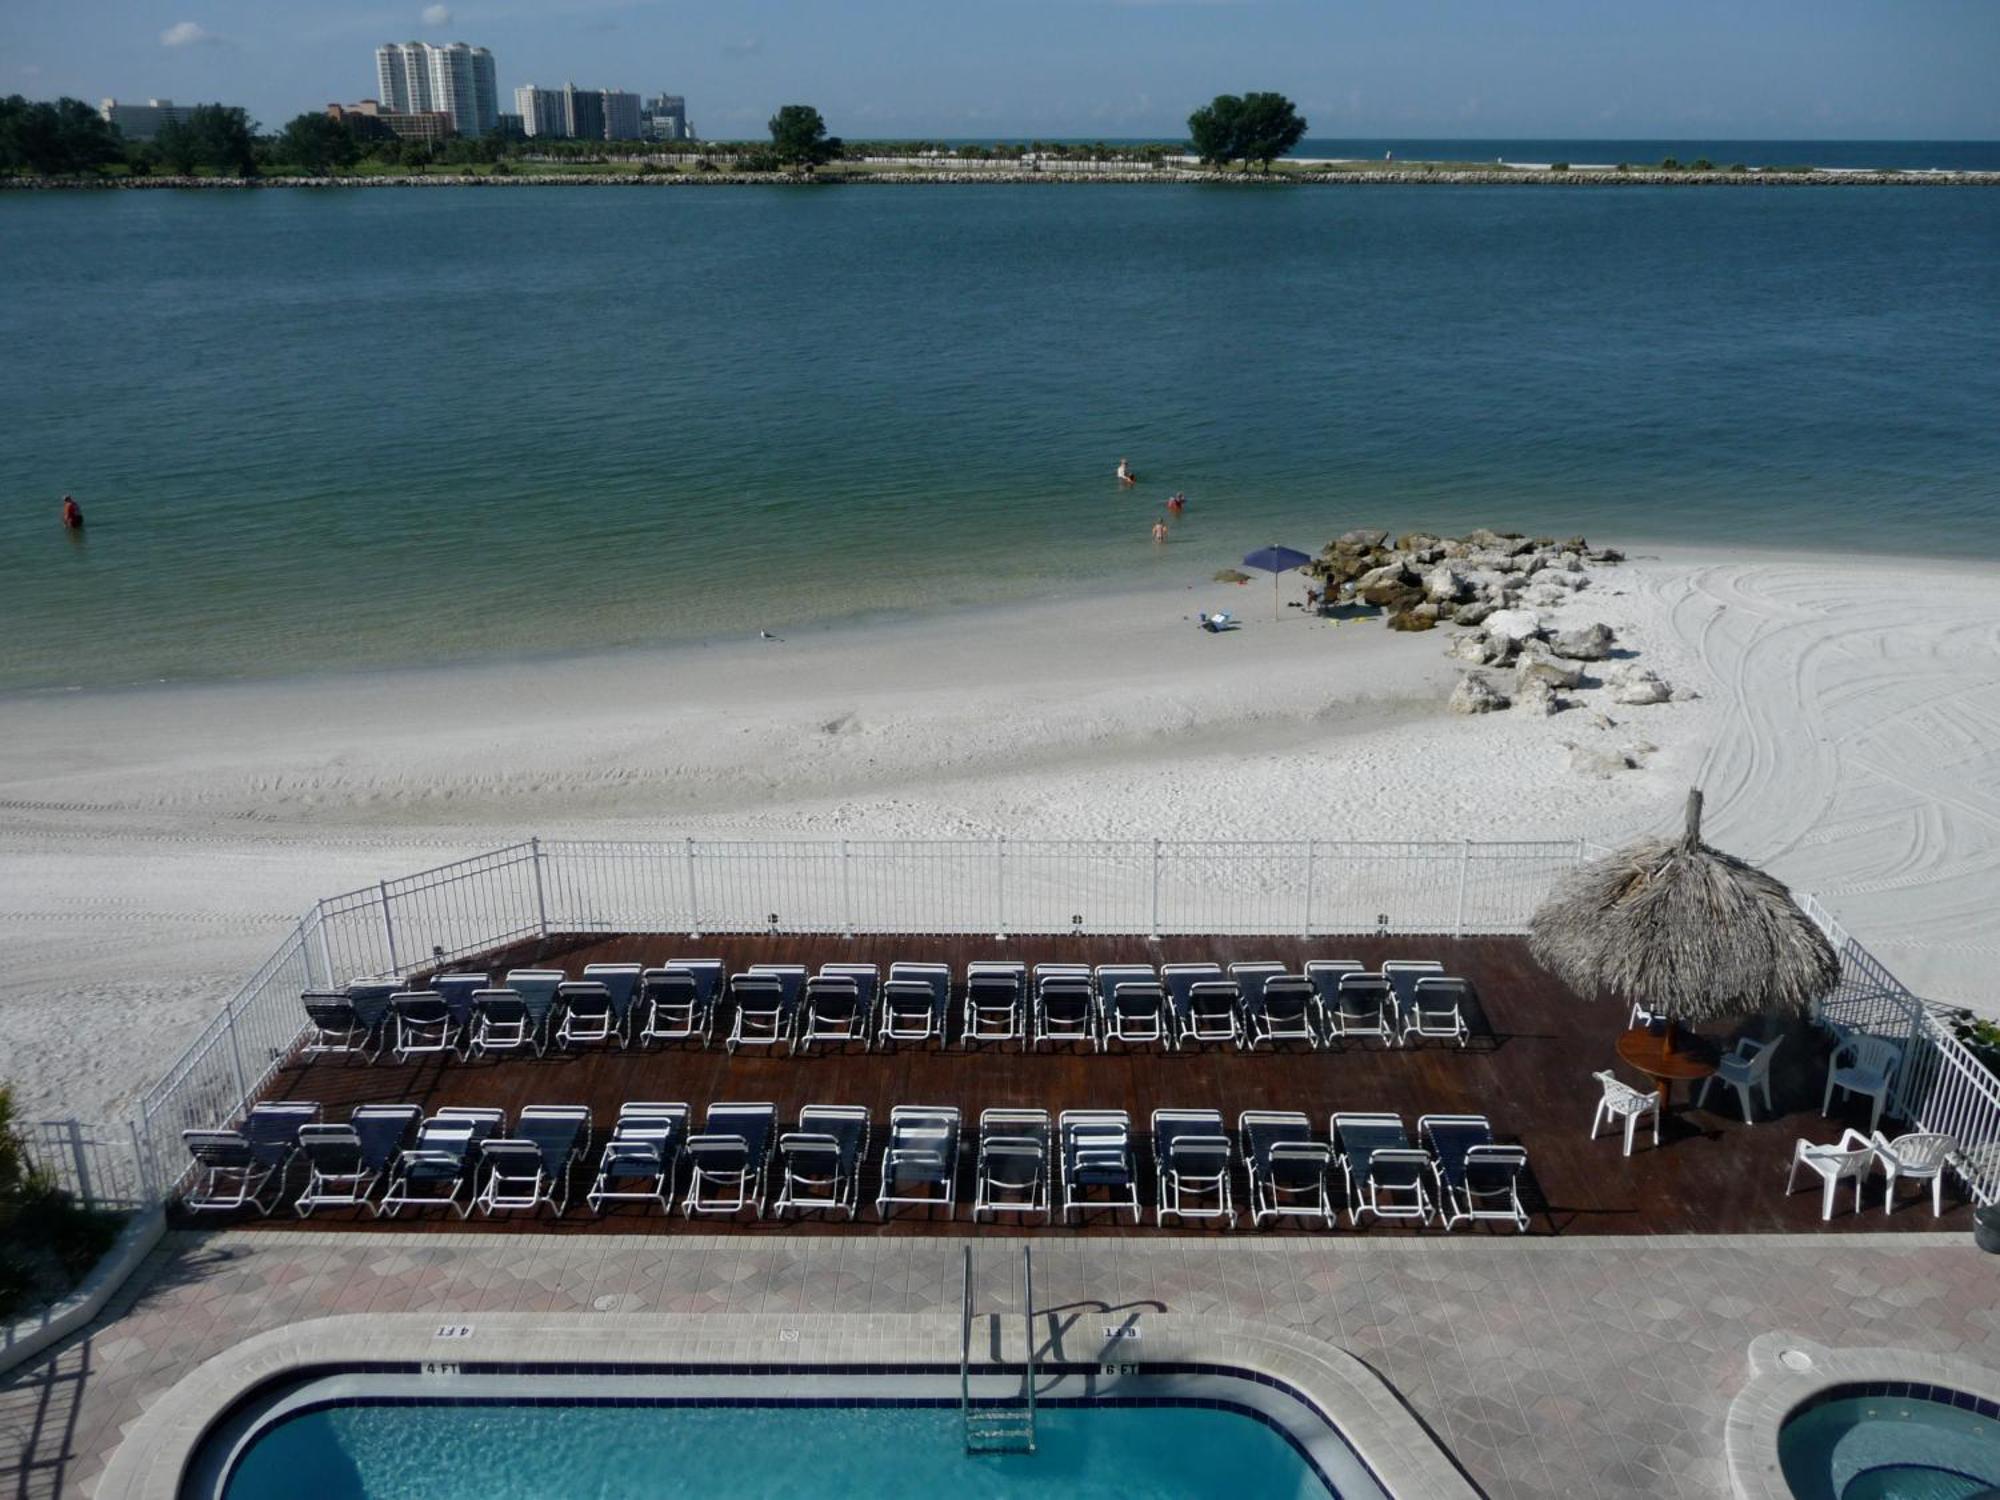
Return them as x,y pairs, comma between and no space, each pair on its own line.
1191,1165
235,1167
911,1022
1096,1153
729,1159
622,980
1179,980
914,1007
1012,1175
867,984
670,1008
371,1000
1384,1173
441,1165
1251,977
537,989
760,1013
833,1013
1288,1169
996,1008
585,1015
710,975
344,1162
1850,1159
1105,979
336,1029
531,1167
1286,1009
1620,1101
1326,974
1065,1011
1403,974
641,1156
420,1023
1475,1177
458,990
1363,1005
920,1159
1436,1010
501,1023
1135,1013
819,1163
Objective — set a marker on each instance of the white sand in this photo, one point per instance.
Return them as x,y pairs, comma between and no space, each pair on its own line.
155,844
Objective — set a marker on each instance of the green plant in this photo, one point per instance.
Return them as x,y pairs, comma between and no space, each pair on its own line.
1558,166
1737,166
15,1281
1703,164
1624,166
1979,1035
1669,164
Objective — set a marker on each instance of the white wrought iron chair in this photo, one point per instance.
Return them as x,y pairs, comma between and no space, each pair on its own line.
1623,1102
1850,1158
1870,1069
1747,1066
1919,1157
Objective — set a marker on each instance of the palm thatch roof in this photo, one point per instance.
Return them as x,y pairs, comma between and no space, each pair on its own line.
1685,930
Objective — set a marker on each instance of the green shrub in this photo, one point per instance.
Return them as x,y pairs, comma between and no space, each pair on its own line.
15,1282
1703,164
1669,164
1559,166
1624,166
1737,166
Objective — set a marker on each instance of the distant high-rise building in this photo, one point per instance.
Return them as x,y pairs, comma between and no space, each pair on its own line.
457,80
665,118
141,122
621,116
583,113
541,111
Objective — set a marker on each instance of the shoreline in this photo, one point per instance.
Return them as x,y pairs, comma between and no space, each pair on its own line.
156,842
1357,177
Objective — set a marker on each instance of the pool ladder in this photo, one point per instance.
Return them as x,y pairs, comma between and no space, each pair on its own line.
1006,1425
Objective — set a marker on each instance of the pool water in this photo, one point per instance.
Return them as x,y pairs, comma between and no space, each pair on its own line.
1890,1448
499,1451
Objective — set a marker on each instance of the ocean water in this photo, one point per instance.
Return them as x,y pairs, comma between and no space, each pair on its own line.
321,431
1926,156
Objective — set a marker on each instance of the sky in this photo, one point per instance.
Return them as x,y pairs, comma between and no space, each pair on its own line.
1761,69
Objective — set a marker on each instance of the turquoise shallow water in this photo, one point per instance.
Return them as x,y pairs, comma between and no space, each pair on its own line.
1890,1448
324,430
740,1453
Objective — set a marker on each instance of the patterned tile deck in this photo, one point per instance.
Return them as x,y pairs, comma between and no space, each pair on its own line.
1590,1367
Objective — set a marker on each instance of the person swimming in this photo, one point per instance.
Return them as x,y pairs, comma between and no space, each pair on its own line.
1177,503
1125,474
72,514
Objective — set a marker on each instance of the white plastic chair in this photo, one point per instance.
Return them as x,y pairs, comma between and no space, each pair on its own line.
1919,1157
1746,1067
1622,1101
1870,1070
1849,1158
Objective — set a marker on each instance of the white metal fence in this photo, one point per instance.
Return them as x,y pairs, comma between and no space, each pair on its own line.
97,1165
1940,1086
998,886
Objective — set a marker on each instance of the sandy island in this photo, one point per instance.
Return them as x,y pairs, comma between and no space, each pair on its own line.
156,843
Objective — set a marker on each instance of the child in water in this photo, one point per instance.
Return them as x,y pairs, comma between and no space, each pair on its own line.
1125,474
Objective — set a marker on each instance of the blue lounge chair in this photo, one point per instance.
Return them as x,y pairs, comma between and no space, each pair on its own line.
819,1163
729,1159
441,1165
1385,1175
1191,1166
1286,1009
641,1158
241,1166
1096,1150
1288,1169
1476,1177
344,1162
672,1007
920,1159
530,1168
1012,1172
336,1028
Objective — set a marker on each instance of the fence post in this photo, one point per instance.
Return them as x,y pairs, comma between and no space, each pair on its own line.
388,926
1000,887
1306,920
143,1190
84,1190
541,896
325,950
846,893
1153,927
694,897
1464,864
235,1054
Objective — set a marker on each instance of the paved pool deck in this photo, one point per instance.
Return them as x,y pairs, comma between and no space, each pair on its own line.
1598,1366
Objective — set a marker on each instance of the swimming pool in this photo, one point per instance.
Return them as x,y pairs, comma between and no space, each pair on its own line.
1892,1441
746,1452
454,1433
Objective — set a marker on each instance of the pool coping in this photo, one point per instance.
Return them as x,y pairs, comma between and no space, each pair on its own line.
1388,1437
1777,1388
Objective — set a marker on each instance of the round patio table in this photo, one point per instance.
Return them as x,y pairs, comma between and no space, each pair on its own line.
1692,1058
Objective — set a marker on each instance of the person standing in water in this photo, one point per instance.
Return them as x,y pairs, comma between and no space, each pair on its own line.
1176,503
1159,531
72,514
1125,475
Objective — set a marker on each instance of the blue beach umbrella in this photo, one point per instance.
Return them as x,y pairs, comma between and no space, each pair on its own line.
1275,560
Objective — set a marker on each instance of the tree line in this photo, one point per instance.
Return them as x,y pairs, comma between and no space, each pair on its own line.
66,137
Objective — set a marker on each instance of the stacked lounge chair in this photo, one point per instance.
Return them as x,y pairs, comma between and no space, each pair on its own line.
920,1159
442,1164
819,1162
241,1166
641,1157
1097,1165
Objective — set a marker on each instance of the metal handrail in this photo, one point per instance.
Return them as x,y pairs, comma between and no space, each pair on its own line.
965,1355
1028,1325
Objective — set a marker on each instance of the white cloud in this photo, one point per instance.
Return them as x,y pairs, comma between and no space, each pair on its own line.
185,34
437,15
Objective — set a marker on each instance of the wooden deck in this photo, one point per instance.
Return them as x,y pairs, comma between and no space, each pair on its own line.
1528,1068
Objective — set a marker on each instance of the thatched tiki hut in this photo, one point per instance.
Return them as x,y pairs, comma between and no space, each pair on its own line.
1688,932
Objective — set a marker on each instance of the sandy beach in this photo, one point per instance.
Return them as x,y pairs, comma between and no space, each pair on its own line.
155,843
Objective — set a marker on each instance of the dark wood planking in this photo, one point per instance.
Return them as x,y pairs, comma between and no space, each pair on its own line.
1528,1068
